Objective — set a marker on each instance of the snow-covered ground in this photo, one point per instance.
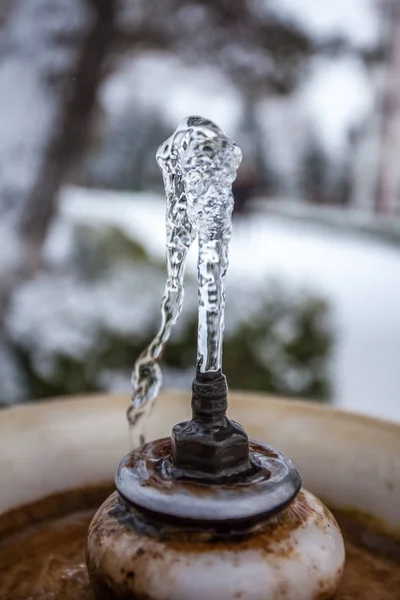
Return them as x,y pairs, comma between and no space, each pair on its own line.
360,277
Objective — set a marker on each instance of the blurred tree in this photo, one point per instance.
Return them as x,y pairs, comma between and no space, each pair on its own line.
256,175
55,53
124,158
246,38
56,57
52,57
259,51
388,196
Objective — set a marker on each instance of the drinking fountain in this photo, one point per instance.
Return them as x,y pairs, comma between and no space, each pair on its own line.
206,512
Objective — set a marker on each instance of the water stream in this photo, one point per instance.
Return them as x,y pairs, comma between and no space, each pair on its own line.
198,163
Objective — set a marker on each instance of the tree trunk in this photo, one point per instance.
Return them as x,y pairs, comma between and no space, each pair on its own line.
388,201
69,137
49,75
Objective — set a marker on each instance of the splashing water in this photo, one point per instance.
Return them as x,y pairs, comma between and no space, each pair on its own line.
199,164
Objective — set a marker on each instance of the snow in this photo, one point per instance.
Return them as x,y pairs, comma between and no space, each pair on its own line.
357,19
69,312
360,277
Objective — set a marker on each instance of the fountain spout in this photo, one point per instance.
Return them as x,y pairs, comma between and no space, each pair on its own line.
210,446
206,495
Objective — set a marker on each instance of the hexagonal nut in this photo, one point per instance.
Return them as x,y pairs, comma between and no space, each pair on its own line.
215,447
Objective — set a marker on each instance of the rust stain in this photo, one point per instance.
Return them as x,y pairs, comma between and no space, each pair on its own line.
157,453
370,572
89,497
271,539
368,520
326,590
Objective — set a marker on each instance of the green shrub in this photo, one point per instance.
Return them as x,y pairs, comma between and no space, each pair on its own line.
281,344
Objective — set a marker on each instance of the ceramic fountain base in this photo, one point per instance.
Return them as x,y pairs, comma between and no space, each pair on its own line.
350,461
258,536
297,555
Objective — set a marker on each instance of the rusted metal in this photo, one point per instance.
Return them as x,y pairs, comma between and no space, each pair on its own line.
210,446
208,471
149,479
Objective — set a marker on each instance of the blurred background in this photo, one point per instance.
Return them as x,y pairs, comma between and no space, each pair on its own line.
309,90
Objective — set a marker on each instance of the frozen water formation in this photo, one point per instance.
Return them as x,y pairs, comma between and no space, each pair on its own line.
207,476
199,164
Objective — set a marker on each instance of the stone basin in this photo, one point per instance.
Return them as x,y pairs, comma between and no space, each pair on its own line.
54,450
